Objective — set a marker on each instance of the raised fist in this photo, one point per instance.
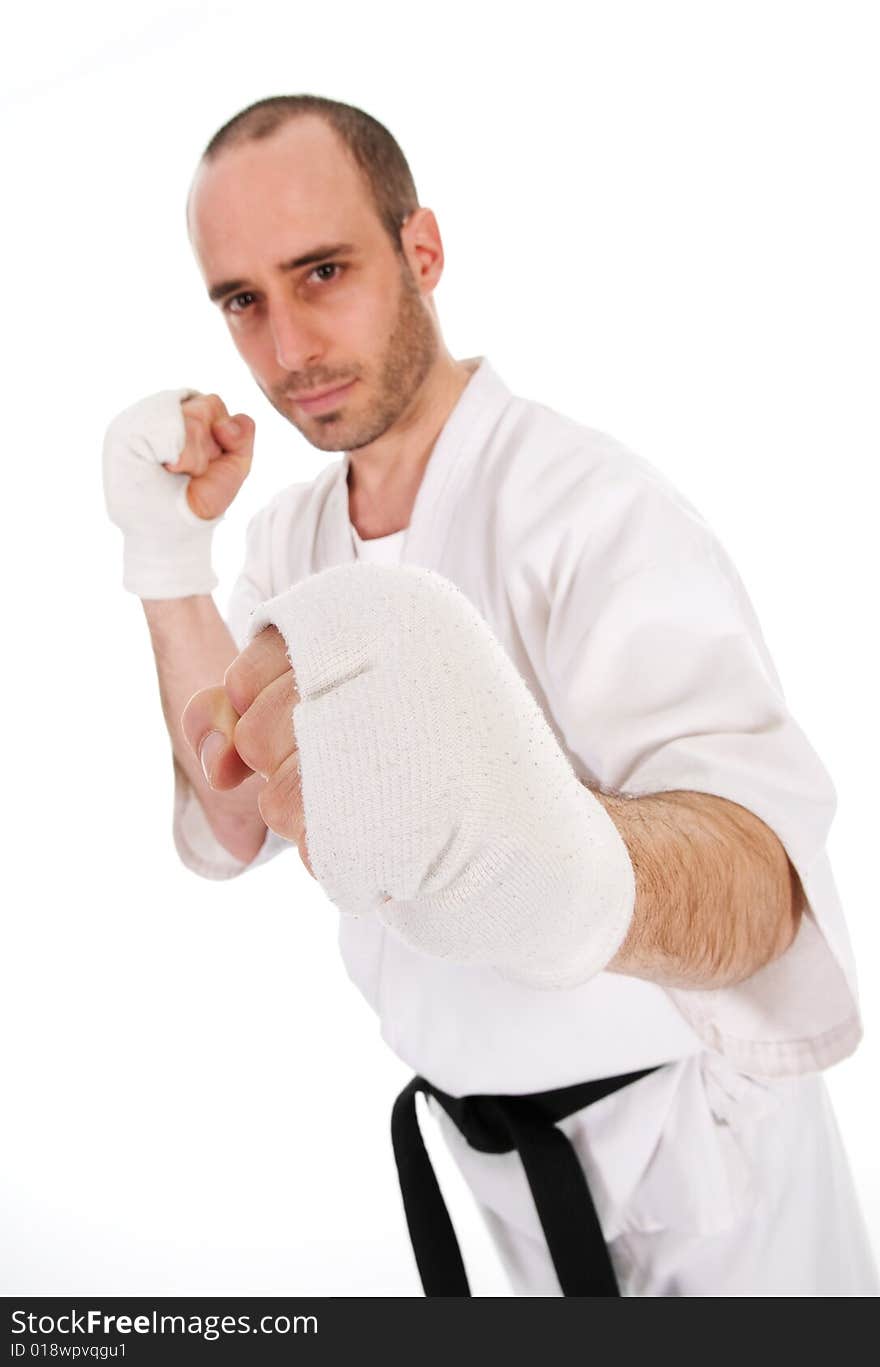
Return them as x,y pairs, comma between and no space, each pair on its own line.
172,464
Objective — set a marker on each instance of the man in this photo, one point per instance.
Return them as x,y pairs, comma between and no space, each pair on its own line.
538,755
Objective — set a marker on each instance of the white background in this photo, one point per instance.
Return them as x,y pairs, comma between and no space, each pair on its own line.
661,219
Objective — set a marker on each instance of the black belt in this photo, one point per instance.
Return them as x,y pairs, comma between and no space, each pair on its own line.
498,1124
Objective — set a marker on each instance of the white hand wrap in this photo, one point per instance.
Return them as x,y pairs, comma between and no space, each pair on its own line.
430,774
166,546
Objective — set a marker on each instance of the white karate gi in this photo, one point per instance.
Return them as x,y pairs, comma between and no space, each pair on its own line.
724,1174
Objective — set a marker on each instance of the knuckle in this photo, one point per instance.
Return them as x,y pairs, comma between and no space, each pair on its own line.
281,805
203,409
293,792
247,738
240,684
264,807
271,809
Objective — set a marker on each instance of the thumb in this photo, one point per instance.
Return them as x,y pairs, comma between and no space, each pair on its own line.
236,433
208,722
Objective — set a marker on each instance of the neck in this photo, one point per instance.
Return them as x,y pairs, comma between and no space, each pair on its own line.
384,477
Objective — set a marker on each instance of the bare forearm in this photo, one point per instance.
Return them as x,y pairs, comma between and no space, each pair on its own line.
193,646
716,896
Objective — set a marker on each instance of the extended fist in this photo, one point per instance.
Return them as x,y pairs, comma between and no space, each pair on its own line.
245,726
438,797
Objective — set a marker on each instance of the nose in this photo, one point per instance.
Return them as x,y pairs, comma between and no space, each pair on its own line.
298,344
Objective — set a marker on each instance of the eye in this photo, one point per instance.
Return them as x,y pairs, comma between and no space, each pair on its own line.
327,266
229,303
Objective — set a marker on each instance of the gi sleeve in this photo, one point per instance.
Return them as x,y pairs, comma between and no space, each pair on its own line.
660,680
197,846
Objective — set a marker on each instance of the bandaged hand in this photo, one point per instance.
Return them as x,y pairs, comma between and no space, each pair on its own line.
434,794
171,467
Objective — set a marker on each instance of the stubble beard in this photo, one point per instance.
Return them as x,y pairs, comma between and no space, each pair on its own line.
409,355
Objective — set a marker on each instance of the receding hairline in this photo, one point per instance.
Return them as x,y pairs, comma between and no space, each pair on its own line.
371,148
237,142
243,135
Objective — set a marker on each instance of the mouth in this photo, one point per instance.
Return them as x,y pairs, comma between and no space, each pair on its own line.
319,400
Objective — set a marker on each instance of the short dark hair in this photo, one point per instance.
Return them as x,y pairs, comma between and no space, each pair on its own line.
375,151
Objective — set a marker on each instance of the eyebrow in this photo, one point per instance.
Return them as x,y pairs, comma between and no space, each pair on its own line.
309,258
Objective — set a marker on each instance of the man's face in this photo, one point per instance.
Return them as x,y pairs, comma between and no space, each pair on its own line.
348,314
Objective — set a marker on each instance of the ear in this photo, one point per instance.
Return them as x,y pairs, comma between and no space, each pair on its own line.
423,248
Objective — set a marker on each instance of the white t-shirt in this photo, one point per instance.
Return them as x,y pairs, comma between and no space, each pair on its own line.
630,625
385,550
